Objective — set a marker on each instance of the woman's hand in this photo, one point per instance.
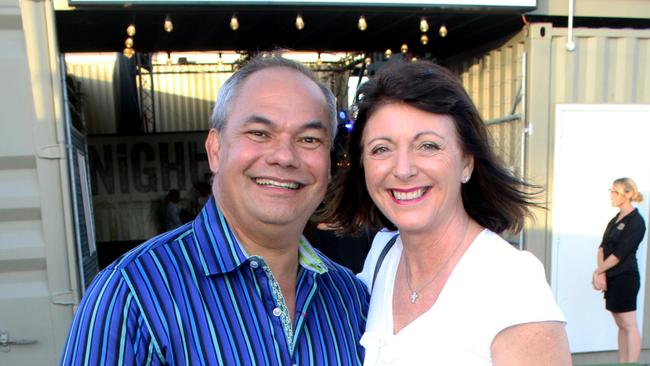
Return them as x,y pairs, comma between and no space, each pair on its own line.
599,281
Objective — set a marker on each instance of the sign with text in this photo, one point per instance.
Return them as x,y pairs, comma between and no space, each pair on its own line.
131,175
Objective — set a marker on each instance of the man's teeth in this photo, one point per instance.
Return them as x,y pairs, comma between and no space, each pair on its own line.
274,183
407,196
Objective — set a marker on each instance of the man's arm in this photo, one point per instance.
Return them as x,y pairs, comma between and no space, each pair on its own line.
106,327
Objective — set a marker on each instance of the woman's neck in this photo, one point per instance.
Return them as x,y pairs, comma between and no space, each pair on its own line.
624,210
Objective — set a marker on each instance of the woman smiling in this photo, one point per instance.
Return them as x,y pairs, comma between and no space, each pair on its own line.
446,289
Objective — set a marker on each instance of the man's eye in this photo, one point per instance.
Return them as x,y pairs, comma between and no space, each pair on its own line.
311,142
257,133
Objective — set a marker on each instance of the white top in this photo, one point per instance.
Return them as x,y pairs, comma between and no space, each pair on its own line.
493,286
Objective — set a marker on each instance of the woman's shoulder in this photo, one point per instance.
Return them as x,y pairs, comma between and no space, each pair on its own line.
378,244
502,257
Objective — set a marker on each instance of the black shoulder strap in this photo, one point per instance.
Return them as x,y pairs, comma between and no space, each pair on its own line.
380,260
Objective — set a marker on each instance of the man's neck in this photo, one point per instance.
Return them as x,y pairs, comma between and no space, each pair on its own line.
281,255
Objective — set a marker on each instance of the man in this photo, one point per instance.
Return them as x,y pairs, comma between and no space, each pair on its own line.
239,285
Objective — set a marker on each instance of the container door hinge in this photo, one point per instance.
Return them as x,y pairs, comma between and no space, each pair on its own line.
52,152
6,341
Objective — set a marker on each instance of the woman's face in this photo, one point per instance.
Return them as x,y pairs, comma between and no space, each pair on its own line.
618,196
414,166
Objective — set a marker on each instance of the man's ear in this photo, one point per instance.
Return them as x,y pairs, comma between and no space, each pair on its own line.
212,145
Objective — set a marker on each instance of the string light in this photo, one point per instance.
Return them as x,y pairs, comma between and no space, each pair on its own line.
300,23
130,30
424,39
404,48
443,31
128,52
388,53
234,22
363,25
368,60
424,25
168,26
128,43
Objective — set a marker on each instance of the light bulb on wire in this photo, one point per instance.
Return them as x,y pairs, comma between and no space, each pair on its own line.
424,39
300,23
424,25
128,52
168,26
130,30
363,25
388,53
443,31
234,22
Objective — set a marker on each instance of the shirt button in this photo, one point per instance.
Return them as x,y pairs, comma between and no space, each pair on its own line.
254,264
277,312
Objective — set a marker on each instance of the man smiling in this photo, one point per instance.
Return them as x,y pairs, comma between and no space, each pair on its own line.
239,285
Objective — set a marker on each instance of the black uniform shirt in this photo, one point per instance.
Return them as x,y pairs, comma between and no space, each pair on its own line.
622,239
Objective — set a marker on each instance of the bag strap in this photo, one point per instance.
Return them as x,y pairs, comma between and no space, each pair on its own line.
380,260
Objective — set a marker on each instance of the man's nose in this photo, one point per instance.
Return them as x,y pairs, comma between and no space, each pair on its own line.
283,153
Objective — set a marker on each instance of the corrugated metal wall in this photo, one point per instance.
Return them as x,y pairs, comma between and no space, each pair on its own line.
96,78
183,98
37,267
185,95
607,66
493,81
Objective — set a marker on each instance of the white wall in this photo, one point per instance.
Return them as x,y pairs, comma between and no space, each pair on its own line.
594,144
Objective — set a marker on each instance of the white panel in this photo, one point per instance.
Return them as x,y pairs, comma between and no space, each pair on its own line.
594,145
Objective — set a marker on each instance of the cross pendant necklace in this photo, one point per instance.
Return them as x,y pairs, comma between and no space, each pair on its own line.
414,293
414,297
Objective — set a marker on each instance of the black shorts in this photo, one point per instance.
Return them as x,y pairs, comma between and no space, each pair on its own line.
621,293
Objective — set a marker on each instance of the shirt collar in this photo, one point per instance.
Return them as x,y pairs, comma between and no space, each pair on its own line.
220,251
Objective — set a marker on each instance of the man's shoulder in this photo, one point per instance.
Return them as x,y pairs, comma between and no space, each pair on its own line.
338,273
150,247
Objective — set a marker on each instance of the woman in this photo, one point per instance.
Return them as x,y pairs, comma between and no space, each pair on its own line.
449,291
617,273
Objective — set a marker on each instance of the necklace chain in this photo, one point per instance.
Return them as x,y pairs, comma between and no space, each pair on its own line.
413,297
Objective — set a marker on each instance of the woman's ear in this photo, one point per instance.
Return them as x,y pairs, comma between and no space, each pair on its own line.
468,167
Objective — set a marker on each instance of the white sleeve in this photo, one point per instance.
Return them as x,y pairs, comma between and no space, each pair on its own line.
378,244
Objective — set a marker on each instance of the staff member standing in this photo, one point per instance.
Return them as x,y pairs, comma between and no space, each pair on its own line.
617,273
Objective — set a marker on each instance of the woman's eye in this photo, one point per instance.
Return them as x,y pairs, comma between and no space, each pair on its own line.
429,146
378,150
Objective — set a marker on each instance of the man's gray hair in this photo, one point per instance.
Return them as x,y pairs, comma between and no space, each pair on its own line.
260,62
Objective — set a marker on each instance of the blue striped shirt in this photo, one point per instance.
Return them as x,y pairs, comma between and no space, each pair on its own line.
193,296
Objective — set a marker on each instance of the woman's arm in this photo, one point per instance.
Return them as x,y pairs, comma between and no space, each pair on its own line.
608,263
600,256
532,344
599,279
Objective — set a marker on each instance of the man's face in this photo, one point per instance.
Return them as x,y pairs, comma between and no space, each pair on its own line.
271,160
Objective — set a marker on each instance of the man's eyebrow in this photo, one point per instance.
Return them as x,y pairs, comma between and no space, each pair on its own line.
317,125
256,118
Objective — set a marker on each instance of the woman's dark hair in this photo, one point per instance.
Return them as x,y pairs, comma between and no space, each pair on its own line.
493,197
